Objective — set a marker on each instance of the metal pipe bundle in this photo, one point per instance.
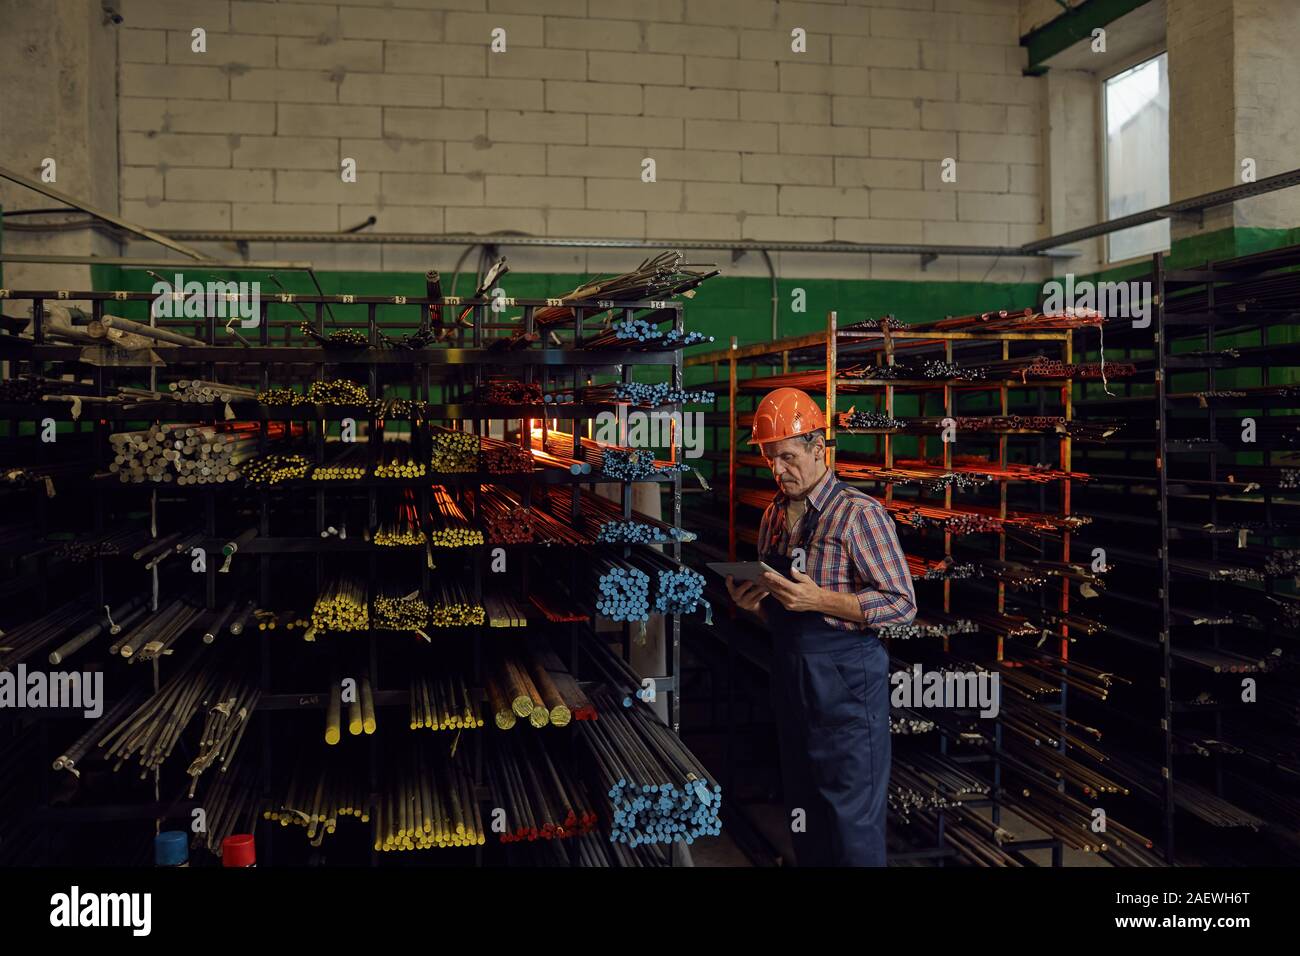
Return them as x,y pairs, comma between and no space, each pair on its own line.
192,453
452,606
542,801
448,526
398,609
443,702
26,640
350,465
659,277
318,794
398,460
428,801
503,390
622,592
342,606
502,610
276,469
659,791
505,458
231,805
201,391
453,452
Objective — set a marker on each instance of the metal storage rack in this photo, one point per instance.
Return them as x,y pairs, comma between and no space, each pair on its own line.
829,349
1220,349
460,370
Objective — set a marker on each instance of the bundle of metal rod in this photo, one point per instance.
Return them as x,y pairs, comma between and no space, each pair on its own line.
908,722
342,391
361,711
561,398
513,693
555,456
922,474
1003,625
1024,320
545,528
505,519
275,469
503,610
659,277
502,390
613,671
336,339
46,473
26,640
122,540
443,702
651,396
341,606
873,325
113,621
318,794
191,453
453,452
408,408
929,624
404,528
631,464
452,605
214,687
595,851
400,609
949,520
73,753
200,390
1221,661
971,838
397,460
555,614
156,633
563,696
1214,571
229,707
622,591
543,799
30,388
941,569
925,780
505,458
1070,820
601,520
282,397
856,419
231,805
448,526
268,620
428,801
349,465
659,791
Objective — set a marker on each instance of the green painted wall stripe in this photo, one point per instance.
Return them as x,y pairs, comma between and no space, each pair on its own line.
1070,27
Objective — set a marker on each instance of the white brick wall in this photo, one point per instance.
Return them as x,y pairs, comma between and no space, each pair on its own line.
751,140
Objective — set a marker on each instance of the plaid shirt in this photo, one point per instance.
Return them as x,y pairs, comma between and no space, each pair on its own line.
855,548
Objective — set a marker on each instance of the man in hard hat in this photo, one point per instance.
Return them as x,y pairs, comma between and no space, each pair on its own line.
843,575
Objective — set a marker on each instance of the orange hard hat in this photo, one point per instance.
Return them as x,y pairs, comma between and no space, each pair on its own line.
785,413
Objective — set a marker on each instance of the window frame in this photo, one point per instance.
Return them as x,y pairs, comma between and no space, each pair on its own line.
1104,76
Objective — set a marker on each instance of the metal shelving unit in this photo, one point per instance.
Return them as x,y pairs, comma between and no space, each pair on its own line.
1220,349
830,350
459,370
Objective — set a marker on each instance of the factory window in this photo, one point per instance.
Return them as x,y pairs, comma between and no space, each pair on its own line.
1136,104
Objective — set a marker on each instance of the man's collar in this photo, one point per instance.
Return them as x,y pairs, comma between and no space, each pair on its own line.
816,498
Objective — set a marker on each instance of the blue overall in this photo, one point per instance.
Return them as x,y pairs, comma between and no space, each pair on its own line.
830,696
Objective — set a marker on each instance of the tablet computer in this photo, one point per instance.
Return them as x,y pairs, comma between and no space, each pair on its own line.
741,570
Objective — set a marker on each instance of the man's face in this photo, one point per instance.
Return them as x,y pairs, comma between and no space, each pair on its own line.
796,464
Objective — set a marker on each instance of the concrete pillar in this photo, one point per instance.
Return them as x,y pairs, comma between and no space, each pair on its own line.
60,102
1233,77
